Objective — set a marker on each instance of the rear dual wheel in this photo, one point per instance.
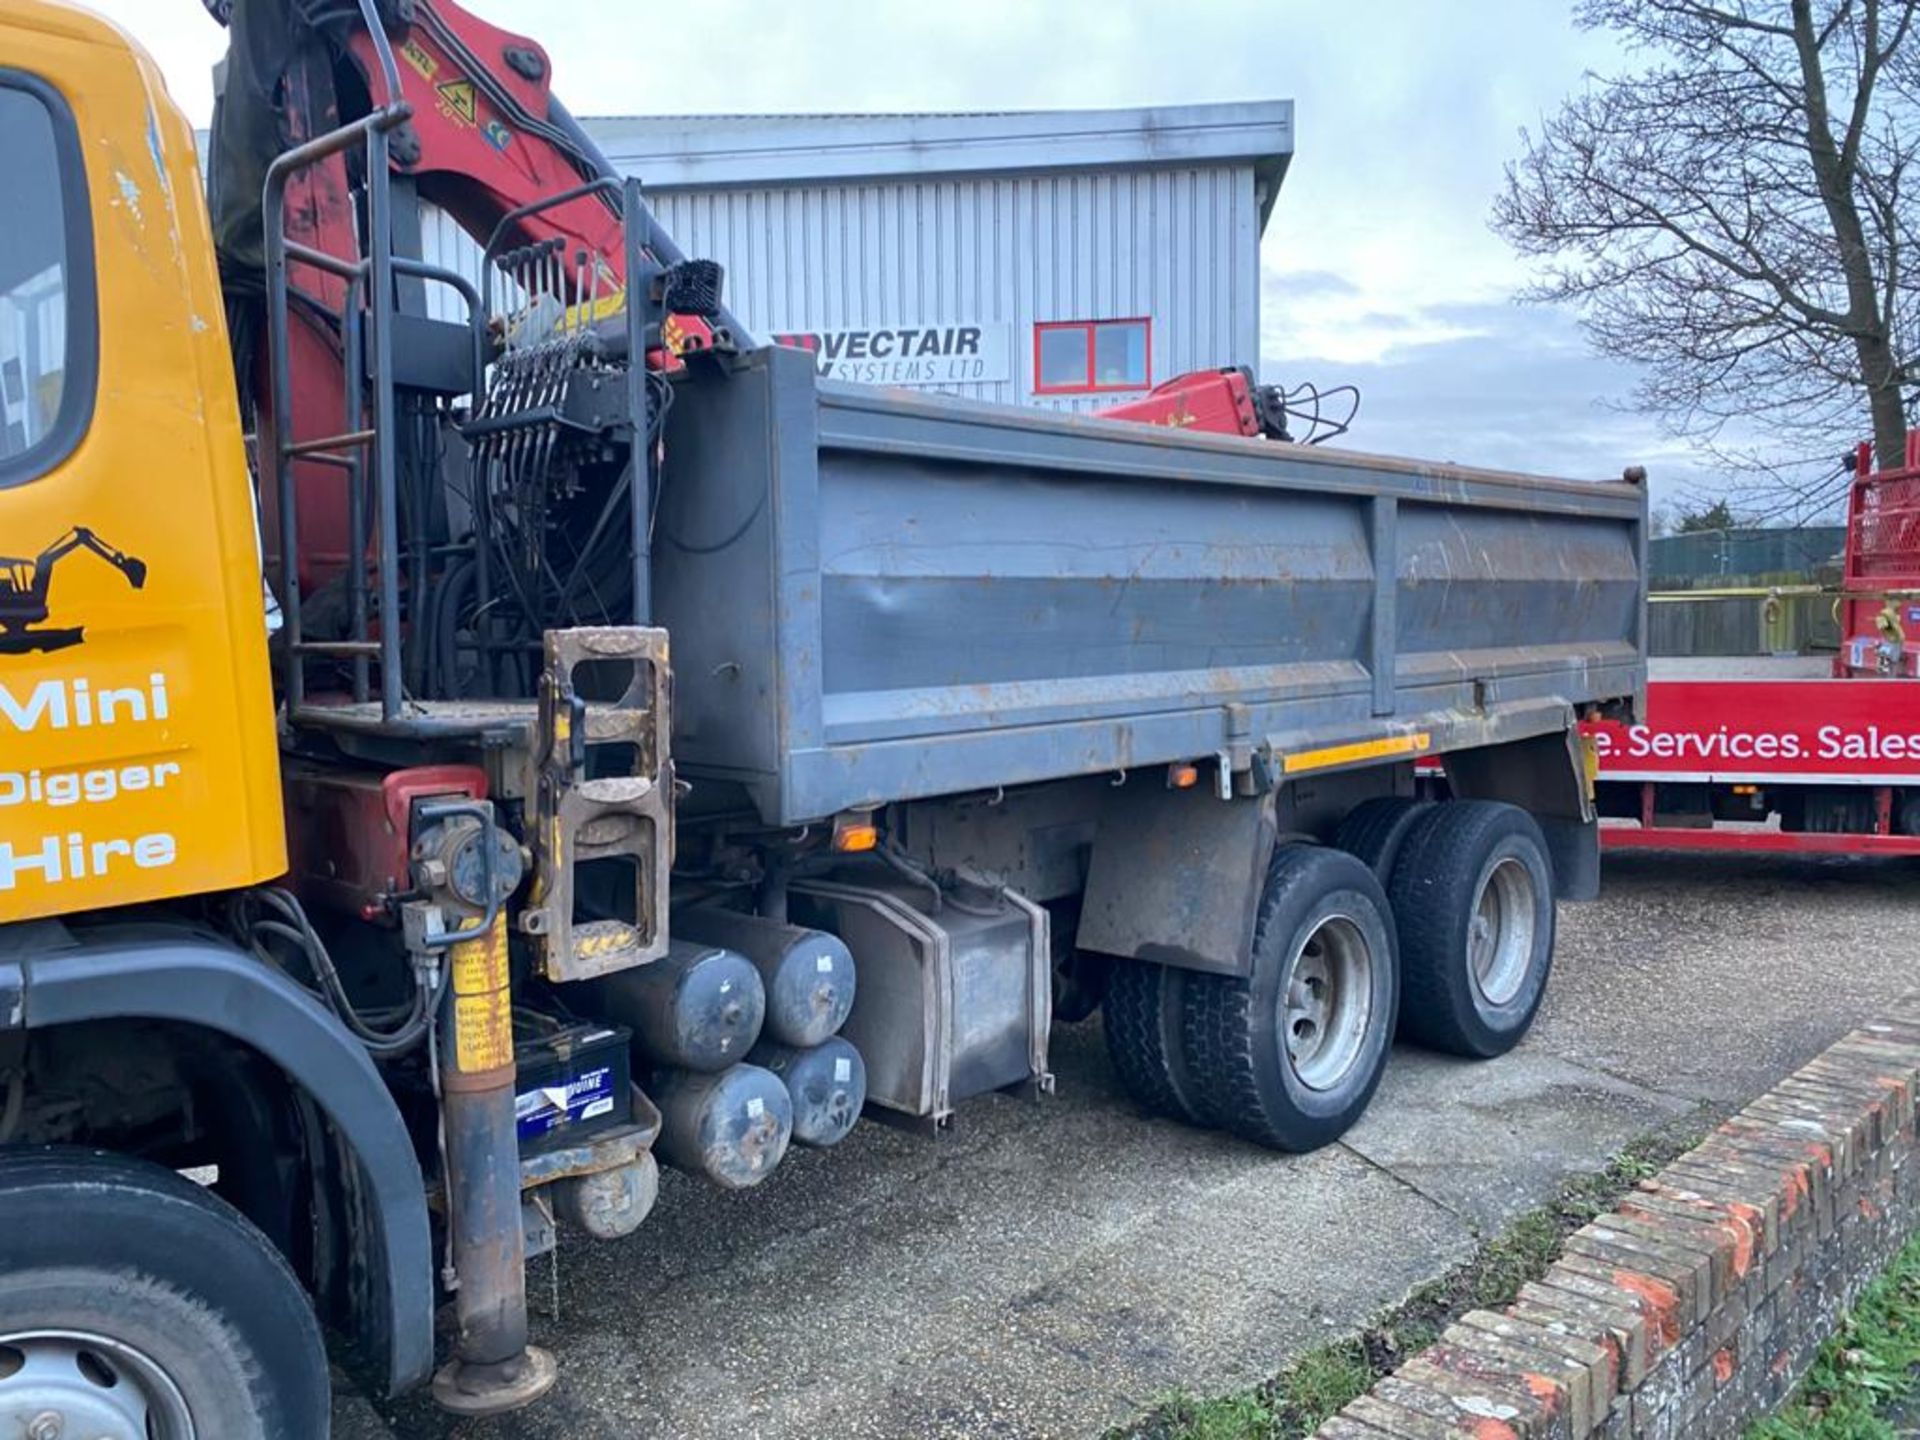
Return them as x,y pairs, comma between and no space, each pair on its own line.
1472,892
1374,830
1142,1011
1436,917
1289,1055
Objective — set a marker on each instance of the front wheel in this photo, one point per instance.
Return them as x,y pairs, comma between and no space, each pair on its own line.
134,1305
1290,1055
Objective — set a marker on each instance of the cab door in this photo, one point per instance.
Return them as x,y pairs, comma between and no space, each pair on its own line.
137,752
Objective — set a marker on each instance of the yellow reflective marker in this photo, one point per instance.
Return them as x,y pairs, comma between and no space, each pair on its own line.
1415,744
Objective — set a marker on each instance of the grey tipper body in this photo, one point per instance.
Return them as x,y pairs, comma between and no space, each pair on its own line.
876,597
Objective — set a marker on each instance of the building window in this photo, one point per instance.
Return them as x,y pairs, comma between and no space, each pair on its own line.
46,274
1083,357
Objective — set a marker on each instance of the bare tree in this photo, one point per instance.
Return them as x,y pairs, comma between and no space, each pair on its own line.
1739,218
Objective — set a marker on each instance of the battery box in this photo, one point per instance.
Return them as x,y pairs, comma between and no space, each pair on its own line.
574,1080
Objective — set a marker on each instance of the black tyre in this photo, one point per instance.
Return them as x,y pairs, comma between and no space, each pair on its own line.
1142,1013
135,1304
1375,829
1472,895
1290,1056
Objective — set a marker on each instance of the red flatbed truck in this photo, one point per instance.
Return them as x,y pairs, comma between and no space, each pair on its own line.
1793,754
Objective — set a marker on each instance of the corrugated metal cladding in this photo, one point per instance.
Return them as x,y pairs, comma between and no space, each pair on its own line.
1178,247
445,245
845,225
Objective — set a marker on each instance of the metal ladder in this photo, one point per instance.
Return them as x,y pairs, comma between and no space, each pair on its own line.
366,320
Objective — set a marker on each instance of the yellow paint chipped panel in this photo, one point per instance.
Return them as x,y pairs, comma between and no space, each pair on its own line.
595,944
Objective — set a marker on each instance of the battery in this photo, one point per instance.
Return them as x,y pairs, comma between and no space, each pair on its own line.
574,1080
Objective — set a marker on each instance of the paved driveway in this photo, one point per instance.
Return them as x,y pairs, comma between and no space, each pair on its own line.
1051,1268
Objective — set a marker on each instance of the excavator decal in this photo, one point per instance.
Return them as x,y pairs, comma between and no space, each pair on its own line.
23,592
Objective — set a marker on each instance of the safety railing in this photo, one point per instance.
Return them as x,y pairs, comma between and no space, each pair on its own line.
366,321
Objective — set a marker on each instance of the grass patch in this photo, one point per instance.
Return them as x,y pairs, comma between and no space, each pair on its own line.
1322,1381
1869,1366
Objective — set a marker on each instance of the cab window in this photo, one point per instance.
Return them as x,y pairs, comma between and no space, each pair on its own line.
46,282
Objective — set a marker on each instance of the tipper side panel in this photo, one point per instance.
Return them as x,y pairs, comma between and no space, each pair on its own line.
875,597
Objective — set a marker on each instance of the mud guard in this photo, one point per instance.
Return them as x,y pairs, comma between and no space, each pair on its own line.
1176,875
52,976
1548,776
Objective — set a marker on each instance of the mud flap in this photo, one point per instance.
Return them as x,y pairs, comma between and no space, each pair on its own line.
1176,876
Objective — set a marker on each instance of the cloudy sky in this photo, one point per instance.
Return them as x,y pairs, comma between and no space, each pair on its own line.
1378,265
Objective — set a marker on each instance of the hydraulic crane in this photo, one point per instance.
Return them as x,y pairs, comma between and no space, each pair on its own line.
484,138
461,115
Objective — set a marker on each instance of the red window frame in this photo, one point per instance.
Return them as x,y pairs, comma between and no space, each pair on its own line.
1091,386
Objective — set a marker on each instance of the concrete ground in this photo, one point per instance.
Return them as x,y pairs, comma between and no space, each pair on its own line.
1050,1269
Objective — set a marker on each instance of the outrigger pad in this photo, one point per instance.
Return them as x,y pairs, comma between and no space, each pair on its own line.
602,828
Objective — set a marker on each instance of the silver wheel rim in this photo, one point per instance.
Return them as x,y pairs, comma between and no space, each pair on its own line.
73,1385
1500,937
1326,1006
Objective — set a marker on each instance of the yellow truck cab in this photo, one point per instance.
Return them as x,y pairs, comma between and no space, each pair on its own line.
137,751
138,764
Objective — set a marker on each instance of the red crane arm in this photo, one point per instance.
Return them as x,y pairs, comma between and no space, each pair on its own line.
483,140
1231,402
486,139
1217,402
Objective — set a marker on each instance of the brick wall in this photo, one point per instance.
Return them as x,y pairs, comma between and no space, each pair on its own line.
1695,1307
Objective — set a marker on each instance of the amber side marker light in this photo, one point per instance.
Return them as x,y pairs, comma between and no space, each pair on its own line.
853,834
1183,776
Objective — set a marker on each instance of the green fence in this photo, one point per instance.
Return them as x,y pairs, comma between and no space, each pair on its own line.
1721,564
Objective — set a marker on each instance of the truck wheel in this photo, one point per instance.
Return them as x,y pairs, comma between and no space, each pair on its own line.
1472,895
1142,1018
1289,1056
1375,829
137,1306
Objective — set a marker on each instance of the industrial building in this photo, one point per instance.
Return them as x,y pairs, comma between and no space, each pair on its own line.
1066,258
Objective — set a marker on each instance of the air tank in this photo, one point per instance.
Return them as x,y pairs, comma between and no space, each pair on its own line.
730,1128
698,1007
610,1204
808,974
826,1082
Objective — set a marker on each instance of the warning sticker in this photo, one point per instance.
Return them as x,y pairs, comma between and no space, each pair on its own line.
482,1032
481,965
416,56
457,101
